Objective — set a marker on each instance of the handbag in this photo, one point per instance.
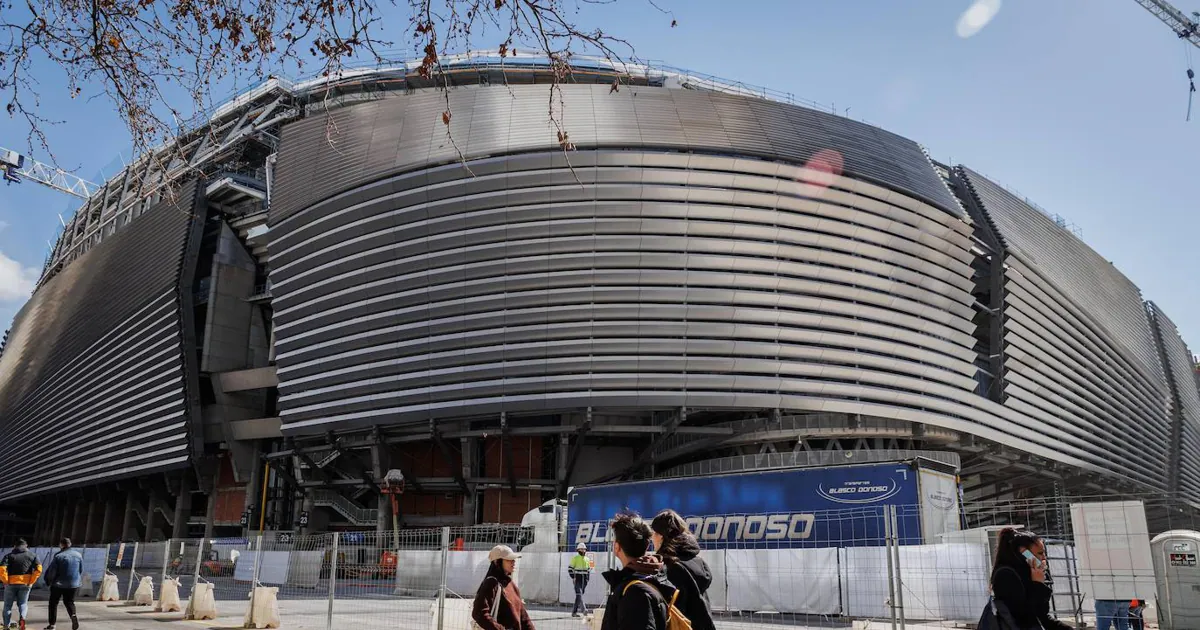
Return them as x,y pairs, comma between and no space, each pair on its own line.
996,616
495,606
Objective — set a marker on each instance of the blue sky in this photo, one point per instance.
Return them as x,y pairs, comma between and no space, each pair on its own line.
1078,105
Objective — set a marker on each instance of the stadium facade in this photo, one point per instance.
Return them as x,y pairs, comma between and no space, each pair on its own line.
327,285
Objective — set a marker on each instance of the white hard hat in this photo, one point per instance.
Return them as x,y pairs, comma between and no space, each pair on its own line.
502,552
581,547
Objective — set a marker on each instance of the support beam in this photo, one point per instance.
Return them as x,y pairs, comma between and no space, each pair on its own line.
580,435
447,453
506,443
647,456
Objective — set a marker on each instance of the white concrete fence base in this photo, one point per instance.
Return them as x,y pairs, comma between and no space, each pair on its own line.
144,595
264,608
85,588
109,591
202,604
168,601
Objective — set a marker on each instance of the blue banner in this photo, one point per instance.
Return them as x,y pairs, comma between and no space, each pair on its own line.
804,507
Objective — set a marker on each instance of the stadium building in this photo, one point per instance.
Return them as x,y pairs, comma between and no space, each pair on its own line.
322,284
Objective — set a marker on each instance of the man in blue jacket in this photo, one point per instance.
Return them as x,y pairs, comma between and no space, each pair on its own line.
65,576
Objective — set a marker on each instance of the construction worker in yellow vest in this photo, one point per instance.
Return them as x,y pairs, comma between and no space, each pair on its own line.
580,571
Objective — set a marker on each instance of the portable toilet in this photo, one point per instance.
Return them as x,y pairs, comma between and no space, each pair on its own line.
1178,574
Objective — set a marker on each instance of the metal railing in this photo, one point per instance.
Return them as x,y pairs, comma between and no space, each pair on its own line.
353,512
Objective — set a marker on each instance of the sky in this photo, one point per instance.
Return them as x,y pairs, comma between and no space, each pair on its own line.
1079,106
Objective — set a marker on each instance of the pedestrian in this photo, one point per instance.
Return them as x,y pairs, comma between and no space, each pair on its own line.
580,571
19,570
1137,614
686,570
640,590
498,603
1019,581
65,576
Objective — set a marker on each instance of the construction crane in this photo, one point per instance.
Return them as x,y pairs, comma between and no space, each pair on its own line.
1188,29
17,168
1185,27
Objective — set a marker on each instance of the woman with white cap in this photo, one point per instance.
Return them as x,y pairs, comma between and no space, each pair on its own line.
498,603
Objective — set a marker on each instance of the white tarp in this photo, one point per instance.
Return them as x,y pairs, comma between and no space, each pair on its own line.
420,572
783,580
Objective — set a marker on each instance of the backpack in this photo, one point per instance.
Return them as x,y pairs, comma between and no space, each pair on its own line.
675,618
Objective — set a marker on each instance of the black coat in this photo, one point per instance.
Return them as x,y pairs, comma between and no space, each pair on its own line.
691,575
639,608
1028,601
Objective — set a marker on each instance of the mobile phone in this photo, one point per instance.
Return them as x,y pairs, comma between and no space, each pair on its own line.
1032,558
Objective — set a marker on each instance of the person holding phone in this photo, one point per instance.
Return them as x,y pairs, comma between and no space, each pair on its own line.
1019,580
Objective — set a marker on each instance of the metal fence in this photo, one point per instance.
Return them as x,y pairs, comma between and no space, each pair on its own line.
880,565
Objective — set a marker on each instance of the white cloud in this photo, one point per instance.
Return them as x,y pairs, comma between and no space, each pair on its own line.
3,224
976,17
16,280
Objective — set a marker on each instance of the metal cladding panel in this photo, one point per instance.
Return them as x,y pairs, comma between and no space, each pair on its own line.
1081,275
495,120
92,382
542,281
1185,399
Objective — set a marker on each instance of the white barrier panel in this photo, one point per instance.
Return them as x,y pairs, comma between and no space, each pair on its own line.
421,572
597,588
274,568
864,582
44,555
783,580
538,576
718,589
948,581
458,614
304,568
465,571
94,561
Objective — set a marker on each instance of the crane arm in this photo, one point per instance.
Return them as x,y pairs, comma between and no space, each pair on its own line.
16,166
1185,27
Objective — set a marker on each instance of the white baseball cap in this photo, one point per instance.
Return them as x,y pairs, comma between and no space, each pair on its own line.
502,552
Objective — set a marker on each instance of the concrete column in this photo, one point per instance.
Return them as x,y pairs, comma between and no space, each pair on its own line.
37,526
127,531
60,520
382,503
253,492
151,521
78,519
183,507
89,527
106,529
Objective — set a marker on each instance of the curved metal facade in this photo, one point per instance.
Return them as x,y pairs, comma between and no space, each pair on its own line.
639,277
1179,363
1080,359
93,383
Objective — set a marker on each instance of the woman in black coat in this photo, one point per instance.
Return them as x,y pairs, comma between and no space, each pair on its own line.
1019,580
686,570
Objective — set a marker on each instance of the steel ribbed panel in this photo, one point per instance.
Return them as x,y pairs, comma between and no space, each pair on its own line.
1184,402
637,117
1082,276
538,285
92,381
